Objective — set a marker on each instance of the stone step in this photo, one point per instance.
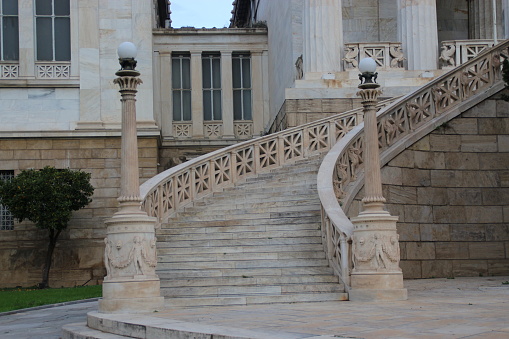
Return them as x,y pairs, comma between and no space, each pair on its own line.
237,249
232,213
232,264
243,272
241,256
251,300
175,223
240,242
296,206
250,280
82,331
233,229
238,235
228,291
187,216
260,204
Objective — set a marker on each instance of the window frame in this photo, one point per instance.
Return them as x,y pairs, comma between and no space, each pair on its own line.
241,56
5,215
2,33
216,112
181,90
53,16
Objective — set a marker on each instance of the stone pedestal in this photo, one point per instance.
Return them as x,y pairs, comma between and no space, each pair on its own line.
376,274
417,31
130,257
323,36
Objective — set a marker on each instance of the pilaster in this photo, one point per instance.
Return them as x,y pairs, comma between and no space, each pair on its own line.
323,36
257,86
26,45
480,19
417,31
197,94
227,94
166,95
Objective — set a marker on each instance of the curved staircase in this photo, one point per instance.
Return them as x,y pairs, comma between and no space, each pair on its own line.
258,242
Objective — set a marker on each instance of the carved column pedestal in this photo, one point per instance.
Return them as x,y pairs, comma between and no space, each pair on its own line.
376,274
130,258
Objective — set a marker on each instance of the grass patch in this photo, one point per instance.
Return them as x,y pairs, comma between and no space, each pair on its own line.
18,298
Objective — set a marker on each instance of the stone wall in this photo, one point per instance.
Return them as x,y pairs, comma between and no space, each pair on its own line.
370,20
451,193
78,257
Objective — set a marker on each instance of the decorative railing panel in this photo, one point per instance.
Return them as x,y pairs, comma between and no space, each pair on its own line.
409,118
457,52
182,129
53,70
9,71
243,129
388,55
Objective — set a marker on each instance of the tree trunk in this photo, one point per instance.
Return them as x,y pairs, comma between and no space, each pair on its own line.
53,237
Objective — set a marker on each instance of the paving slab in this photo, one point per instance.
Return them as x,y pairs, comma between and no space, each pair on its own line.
436,308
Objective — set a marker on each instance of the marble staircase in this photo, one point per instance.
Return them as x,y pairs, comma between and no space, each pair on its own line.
258,242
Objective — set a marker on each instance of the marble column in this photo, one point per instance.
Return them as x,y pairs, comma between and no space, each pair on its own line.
197,94
418,33
480,19
323,36
227,94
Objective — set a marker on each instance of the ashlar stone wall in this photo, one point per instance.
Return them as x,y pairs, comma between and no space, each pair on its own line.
451,193
78,257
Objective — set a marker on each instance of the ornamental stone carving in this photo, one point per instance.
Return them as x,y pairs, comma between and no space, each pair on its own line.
377,251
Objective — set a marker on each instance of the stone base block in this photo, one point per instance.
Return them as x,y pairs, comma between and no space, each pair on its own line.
377,294
131,296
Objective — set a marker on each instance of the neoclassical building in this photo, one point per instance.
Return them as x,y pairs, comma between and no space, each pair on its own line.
281,63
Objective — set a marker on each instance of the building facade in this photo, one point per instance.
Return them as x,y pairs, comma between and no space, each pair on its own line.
281,63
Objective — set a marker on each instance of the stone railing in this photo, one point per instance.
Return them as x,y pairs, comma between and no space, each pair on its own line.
388,55
53,70
179,186
399,125
457,52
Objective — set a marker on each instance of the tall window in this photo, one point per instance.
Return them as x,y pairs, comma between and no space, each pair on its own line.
241,73
6,218
53,30
9,32
181,86
211,63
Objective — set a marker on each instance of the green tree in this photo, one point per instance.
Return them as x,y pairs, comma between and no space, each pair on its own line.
47,197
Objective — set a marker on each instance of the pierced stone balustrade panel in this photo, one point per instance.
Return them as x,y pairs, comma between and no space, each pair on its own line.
221,170
201,179
457,52
243,130
388,55
345,125
447,93
182,130
53,71
420,109
267,155
292,146
183,188
213,131
318,138
9,71
476,76
392,125
244,162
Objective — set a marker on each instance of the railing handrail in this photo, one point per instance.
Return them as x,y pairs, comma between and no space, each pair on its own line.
417,113
319,135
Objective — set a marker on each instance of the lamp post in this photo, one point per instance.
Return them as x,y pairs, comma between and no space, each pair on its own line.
376,274
131,284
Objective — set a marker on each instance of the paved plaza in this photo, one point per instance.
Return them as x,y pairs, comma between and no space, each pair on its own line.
436,308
